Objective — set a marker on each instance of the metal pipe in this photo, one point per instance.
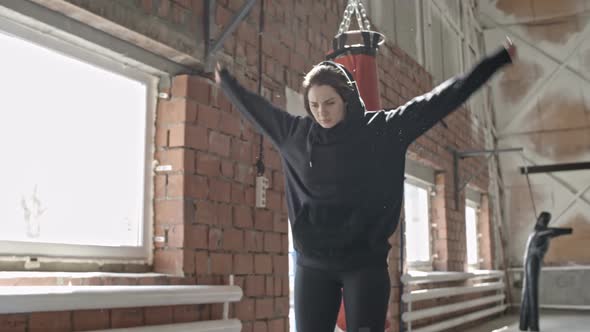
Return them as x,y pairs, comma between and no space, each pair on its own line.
555,168
562,182
447,324
475,153
428,294
445,309
236,20
226,304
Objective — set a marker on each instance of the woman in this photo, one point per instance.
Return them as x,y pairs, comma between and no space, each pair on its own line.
344,170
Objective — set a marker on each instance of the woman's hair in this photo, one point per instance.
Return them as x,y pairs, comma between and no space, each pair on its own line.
326,75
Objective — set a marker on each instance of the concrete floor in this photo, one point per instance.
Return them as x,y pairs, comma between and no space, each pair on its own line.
551,321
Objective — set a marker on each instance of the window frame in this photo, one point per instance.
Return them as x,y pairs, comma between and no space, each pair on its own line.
446,19
11,251
393,29
473,42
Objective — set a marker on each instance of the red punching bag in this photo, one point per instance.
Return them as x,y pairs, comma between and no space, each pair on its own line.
360,60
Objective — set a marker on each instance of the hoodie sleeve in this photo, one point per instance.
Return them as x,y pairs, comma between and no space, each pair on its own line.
270,120
423,112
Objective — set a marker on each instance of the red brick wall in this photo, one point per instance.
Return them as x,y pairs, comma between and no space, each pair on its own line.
220,232
205,205
486,244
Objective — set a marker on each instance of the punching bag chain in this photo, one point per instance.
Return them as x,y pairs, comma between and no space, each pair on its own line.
356,7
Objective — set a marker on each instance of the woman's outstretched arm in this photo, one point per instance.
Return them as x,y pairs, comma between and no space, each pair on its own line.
423,112
270,120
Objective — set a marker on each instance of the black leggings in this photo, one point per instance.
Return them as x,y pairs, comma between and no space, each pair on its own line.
318,294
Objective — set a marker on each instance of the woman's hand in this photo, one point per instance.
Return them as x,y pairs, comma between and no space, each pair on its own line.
217,70
511,48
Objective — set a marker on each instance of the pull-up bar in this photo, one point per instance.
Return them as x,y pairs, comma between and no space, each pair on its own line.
555,168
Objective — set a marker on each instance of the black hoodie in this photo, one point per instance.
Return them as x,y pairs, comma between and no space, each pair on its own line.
344,184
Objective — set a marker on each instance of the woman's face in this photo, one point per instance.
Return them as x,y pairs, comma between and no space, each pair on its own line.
326,105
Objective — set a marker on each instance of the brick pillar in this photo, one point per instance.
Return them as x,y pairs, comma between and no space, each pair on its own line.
176,144
486,243
395,275
205,206
439,217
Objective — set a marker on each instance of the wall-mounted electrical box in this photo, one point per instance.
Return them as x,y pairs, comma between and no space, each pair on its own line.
261,186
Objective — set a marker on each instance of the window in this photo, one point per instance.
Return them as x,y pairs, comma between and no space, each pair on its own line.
473,51
443,22
442,35
453,44
471,233
400,22
436,49
77,127
417,224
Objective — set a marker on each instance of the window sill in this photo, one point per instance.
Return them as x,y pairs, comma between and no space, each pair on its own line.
420,268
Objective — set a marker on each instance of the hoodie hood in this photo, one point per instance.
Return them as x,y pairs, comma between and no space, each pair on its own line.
355,112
